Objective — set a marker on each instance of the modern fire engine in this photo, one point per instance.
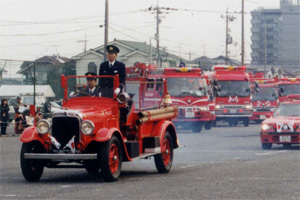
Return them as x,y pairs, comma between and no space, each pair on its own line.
231,93
288,86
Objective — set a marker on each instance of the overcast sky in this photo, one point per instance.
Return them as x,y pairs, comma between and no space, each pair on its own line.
34,28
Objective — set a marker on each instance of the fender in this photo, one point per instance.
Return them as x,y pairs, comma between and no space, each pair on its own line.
161,127
105,134
30,134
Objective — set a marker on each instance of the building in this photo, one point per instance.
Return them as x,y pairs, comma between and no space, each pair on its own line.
275,35
206,63
47,71
131,52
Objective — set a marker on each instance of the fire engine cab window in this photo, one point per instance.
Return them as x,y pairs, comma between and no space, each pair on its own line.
288,110
150,85
233,88
287,89
265,94
181,87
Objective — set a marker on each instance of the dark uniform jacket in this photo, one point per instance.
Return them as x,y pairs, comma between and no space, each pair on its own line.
4,115
117,68
95,92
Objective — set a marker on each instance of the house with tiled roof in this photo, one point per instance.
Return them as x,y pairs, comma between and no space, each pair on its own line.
131,52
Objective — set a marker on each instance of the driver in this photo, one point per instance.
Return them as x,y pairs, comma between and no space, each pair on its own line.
91,85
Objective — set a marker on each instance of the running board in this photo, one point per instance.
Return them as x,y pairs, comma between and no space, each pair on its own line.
47,156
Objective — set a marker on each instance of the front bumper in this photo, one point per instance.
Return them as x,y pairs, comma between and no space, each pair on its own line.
261,115
201,116
274,137
60,156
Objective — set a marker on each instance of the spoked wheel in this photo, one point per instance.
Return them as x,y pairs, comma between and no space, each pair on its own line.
266,145
32,170
111,159
164,160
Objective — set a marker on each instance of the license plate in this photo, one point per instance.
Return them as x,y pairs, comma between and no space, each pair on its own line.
189,114
233,110
262,116
285,138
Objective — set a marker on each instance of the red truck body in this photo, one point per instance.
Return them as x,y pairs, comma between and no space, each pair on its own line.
288,86
188,91
231,94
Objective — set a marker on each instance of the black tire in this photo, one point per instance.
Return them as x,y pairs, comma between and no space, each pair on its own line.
287,145
197,128
159,159
32,170
104,156
246,122
92,167
207,126
214,123
266,145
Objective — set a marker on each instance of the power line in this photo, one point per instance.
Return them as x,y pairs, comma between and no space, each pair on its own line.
43,34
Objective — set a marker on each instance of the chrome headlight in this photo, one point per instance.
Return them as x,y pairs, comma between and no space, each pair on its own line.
123,97
265,127
87,127
43,126
218,107
248,107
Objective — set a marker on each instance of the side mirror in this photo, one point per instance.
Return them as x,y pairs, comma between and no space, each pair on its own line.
257,89
72,94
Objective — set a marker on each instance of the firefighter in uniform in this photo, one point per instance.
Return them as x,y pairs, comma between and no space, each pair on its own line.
111,67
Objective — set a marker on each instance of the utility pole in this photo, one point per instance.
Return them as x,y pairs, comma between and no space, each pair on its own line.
83,41
243,35
226,38
265,48
150,58
106,29
157,35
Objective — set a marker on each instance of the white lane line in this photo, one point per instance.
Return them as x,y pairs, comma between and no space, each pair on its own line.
10,195
270,153
187,166
66,186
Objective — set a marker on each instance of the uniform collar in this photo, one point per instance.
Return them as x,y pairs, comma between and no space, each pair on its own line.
111,63
92,89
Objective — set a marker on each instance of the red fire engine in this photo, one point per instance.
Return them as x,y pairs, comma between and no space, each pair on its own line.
188,91
231,93
264,101
288,86
98,132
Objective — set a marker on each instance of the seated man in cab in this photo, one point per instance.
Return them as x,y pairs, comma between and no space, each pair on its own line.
91,89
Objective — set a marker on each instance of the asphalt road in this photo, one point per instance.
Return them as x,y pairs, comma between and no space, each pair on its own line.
223,163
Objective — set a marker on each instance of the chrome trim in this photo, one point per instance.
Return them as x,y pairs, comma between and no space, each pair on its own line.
60,156
233,115
69,113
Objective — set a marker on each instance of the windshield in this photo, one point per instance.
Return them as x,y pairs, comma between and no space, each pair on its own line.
265,93
288,89
83,87
233,88
288,110
181,87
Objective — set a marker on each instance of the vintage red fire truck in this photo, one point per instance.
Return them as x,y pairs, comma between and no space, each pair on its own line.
284,125
188,91
288,86
265,100
231,94
99,133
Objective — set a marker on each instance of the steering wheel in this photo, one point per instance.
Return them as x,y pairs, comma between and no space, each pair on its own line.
82,92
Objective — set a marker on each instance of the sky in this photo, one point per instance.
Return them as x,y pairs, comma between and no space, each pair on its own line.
33,28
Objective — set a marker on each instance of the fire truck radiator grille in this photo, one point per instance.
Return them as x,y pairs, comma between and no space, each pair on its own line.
64,128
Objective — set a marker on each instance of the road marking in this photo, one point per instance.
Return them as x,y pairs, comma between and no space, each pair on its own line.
10,195
66,186
270,153
187,166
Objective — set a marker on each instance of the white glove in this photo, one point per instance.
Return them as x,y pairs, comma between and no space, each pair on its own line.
117,91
